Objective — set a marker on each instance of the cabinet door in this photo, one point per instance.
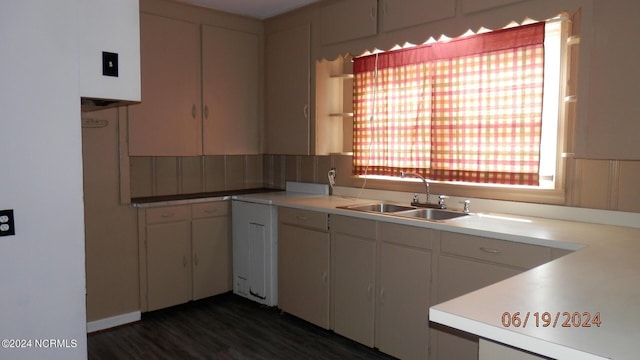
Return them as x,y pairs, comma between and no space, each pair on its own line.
167,122
347,20
457,276
287,96
168,262
230,83
398,14
353,286
303,273
211,251
404,297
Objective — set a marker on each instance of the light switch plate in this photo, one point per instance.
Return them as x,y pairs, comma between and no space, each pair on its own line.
7,224
109,64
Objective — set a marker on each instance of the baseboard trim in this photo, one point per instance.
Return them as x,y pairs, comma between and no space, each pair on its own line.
113,321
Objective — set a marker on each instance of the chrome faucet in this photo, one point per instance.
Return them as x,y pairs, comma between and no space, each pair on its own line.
403,174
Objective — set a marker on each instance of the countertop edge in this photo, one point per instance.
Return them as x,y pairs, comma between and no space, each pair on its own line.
512,338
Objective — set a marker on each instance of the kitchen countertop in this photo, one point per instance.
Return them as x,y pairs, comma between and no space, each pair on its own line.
179,199
601,277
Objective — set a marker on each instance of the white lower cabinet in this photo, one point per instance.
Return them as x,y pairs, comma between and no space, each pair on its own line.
168,273
384,277
404,291
381,280
467,263
490,350
211,249
184,253
353,262
303,265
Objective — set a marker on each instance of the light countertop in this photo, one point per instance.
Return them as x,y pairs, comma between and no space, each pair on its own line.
600,277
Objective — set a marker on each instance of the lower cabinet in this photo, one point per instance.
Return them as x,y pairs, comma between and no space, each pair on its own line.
467,263
381,280
384,276
404,291
490,350
185,253
303,265
353,264
211,249
167,258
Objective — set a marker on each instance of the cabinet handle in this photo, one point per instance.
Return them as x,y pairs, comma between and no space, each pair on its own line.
324,278
206,111
302,218
372,13
305,111
382,296
193,111
369,291
490,250
167,215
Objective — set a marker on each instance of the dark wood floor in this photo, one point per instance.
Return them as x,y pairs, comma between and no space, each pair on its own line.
223,327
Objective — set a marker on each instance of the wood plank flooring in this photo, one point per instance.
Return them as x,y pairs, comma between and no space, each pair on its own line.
223,327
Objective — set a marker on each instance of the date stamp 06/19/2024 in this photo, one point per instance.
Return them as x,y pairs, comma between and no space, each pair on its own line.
560,319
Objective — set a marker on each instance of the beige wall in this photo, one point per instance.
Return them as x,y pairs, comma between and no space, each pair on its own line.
111,239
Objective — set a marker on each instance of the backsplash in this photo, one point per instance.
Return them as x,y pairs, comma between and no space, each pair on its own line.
169,175
596,184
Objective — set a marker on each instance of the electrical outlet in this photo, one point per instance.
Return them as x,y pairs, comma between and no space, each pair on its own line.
7,226
109,64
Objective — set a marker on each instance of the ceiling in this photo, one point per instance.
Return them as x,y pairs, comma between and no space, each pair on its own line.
260,9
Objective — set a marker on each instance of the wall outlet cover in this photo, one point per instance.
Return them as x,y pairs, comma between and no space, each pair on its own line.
7,224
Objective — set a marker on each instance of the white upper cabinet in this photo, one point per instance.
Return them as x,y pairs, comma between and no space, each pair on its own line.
347,20
288,118
109,28
168,121
398,14
470,6
231,100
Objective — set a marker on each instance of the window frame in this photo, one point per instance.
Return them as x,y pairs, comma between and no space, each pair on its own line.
566,119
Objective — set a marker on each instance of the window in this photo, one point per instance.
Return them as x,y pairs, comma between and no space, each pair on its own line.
477,109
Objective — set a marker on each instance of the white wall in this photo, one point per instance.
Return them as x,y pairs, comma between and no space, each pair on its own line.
42,274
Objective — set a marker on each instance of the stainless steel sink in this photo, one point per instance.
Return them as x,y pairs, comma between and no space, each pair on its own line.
378,208
431,214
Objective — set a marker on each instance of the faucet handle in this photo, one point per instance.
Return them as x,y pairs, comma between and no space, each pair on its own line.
466,206
415,198
441,203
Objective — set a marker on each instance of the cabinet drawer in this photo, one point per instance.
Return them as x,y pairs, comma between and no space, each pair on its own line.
212,209
309,219
499,251
167,214
354,226
406,235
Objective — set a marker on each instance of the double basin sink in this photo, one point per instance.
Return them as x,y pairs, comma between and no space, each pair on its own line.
423,213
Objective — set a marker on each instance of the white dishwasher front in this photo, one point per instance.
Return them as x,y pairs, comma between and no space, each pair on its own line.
255,251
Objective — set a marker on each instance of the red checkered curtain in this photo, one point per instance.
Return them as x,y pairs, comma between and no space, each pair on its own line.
465,110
